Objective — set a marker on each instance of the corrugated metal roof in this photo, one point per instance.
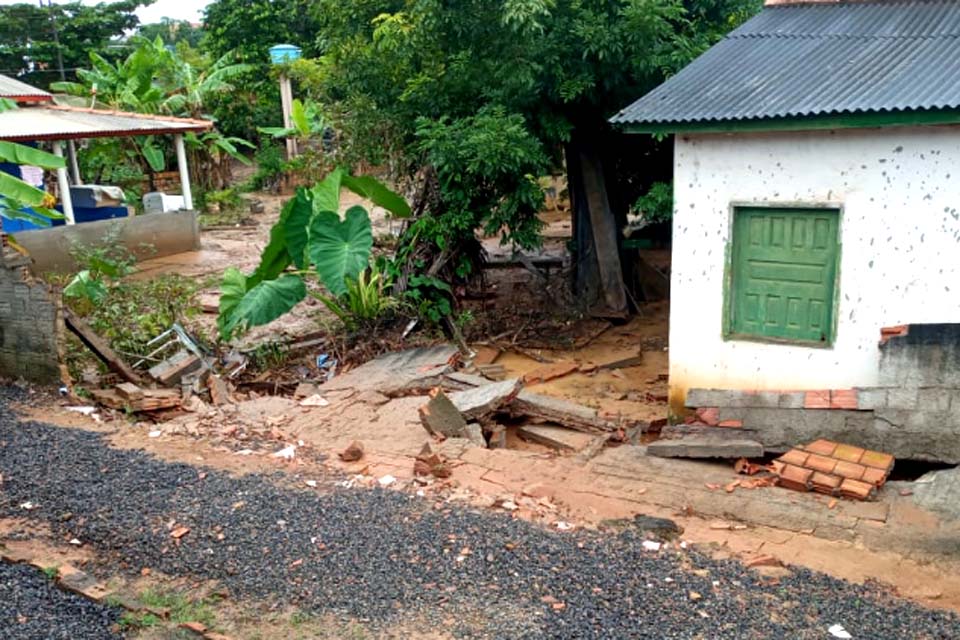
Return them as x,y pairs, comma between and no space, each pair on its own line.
21,91
818,59
67,123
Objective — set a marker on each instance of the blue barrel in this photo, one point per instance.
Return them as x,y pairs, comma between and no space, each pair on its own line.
283,53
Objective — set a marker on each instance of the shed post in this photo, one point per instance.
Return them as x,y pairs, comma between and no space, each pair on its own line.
74,165
184,172
64,184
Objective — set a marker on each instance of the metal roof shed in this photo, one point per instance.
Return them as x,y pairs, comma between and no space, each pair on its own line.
39,119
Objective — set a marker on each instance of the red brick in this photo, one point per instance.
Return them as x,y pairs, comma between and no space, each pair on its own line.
848,453
817,400
856,489
822,464
877,460
731,424
825,483
886,333
843,399
876,477
795,457
796,478
822,447
709,416
850,470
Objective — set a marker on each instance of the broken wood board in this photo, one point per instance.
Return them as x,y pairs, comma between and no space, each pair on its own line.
481,402
176,367
702,447
486,355
562,412
99,347
634,361
559,438
152,400
129,391
410,372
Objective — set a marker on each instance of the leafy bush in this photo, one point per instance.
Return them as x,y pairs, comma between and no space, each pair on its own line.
656,204
487,166
271,167
365,300
310,233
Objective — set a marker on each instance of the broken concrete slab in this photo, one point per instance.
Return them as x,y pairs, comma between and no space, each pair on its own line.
441,417
562,412
410,372
706,447
559,438
475,434
481,402
939,491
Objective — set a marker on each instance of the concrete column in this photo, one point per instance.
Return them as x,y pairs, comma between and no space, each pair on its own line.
64,184
184,172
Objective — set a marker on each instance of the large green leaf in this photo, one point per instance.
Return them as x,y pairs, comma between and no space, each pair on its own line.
232,290
265,303
340,249
298,115
22,154
326,194
275,257
295,227
85,286
18,190
375,191
154,155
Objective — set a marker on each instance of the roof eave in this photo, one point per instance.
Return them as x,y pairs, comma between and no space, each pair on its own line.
798,123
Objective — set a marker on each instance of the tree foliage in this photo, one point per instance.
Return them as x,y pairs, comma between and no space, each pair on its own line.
157,79
486,94
28,46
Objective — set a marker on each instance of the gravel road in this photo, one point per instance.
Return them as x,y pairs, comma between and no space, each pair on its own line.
383,557
32,608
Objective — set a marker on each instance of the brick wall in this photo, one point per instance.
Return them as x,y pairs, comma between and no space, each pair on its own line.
30,324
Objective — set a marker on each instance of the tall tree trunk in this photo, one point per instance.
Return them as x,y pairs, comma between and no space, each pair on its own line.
598,273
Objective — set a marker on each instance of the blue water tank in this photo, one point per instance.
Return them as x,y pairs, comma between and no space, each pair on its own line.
283,53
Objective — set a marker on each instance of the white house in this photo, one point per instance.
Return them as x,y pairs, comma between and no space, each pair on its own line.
817,193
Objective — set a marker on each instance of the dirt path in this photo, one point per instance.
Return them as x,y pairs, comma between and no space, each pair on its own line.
387,558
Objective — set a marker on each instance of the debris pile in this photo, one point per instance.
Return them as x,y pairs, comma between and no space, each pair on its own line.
834,469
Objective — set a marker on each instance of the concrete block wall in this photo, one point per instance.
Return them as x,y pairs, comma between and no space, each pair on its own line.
30,324
910,422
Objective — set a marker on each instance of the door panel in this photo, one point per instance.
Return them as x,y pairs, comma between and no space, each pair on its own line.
784,270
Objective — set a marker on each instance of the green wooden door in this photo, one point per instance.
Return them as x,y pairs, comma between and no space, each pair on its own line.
784,271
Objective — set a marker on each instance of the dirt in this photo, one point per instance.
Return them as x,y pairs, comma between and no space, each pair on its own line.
575,493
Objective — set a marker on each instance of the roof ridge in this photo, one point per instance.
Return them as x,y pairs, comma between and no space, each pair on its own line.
130,114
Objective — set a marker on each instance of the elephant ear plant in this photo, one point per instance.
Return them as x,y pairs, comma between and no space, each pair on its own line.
312,240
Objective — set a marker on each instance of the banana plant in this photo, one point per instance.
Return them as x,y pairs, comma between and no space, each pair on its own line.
306,118
19,200
312,238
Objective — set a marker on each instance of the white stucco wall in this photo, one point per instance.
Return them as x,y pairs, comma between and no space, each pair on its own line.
899,189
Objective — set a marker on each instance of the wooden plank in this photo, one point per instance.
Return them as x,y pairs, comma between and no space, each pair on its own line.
152,400
99,347
129,391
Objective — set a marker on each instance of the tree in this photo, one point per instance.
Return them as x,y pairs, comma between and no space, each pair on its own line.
483,95
172,32
34,40
155,79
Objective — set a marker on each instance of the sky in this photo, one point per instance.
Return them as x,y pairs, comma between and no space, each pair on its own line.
178,9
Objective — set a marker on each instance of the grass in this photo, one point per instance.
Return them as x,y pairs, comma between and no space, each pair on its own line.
181,607
51,572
